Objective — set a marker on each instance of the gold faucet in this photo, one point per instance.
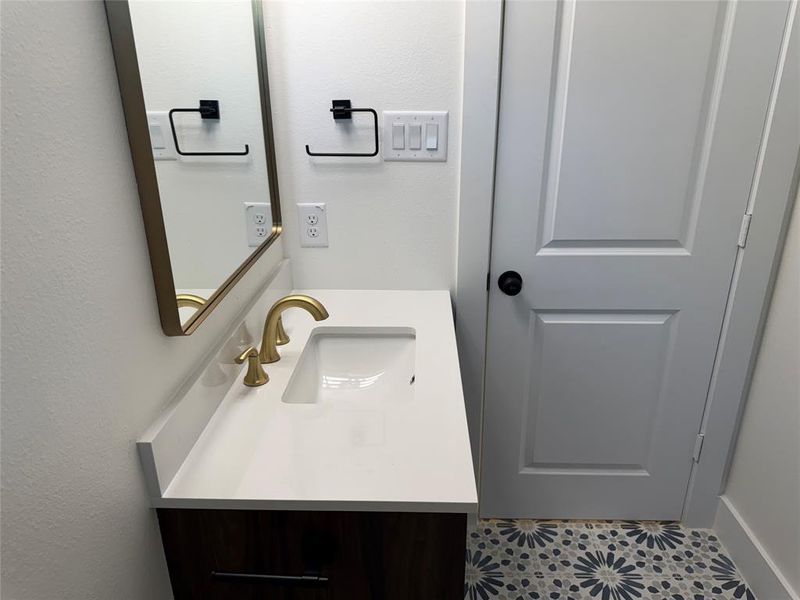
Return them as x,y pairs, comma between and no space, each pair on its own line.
281,338
269,351
190,301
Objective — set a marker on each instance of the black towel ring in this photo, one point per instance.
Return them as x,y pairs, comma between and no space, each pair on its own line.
208,109
341,110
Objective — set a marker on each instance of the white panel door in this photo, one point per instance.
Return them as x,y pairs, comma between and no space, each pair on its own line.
628,138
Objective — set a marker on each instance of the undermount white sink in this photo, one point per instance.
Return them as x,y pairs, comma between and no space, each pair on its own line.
354,365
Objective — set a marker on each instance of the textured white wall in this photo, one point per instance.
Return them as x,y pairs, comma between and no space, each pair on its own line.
85,366
764,481
391,225
188,51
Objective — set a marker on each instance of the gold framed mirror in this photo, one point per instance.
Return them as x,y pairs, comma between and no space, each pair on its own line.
195,93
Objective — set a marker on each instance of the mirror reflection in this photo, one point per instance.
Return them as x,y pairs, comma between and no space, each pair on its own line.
199,71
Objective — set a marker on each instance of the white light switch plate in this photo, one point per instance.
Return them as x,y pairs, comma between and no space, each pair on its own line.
420,128
312,224
161,135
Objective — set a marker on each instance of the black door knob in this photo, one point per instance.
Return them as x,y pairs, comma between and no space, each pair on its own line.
510,283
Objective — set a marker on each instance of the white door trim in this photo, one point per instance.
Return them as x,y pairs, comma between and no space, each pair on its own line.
775,185
483,26
773,194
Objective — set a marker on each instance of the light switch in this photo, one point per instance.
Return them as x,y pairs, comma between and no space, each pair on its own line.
431,136
157,136
398,136
415,136
160,135
411,135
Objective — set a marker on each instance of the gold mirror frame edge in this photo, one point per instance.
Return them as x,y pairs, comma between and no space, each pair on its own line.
130,84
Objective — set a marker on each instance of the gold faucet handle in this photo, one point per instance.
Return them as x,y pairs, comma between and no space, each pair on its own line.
255,375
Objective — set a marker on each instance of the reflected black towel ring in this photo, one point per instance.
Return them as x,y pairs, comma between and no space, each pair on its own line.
208,109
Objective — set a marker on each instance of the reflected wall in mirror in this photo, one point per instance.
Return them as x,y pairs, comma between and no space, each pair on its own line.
195,92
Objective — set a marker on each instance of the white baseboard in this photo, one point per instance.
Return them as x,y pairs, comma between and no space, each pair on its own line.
755,565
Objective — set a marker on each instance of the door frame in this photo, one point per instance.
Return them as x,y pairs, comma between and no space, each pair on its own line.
772,196
483,39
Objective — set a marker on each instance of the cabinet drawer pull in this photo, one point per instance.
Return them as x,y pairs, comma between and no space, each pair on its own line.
306,579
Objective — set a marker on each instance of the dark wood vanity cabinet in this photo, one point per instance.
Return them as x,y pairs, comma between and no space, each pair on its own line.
302,555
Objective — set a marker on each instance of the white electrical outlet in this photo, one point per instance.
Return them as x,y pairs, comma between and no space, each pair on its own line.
312,224
257,222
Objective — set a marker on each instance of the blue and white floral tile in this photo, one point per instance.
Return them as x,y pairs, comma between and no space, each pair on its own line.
534,547
653,535
608,574
531,534
650,545
727,578
699,554
522,586
672,588
598,560
560,588
482,576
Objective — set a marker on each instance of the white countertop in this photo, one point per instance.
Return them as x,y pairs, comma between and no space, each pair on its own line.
258,452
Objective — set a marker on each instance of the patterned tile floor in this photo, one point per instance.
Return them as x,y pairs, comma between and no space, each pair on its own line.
603,560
